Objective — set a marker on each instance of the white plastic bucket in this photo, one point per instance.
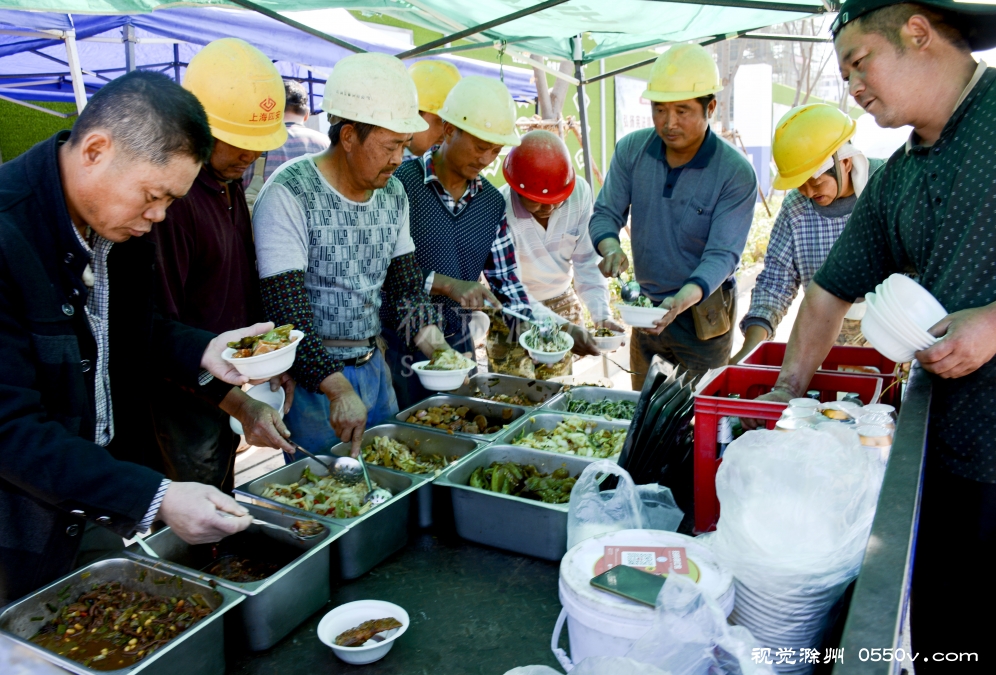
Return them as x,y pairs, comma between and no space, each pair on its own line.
603,624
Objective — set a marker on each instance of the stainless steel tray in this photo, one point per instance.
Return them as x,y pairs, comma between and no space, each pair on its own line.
274,606
430,442
549,420
489,384
371,537
591,394
199,650
511,523
477,407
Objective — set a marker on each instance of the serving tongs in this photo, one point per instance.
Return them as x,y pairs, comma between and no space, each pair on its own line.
256,521
350,471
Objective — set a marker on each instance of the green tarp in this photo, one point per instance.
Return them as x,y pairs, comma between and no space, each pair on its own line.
615,26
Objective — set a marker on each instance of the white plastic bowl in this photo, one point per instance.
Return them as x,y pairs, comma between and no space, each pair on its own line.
266,365
610,343
915,300
640,317
546,357
261,392
898,325
880,338
906,325
351,615
441,380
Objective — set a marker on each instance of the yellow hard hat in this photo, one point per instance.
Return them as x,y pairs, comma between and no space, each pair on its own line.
681,73
482,107
242,93
434,80
805,138
374,89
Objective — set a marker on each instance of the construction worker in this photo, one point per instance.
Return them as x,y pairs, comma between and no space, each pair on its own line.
433,80
332,231
301,140
824,175
207,263
691,200
548,208
930,211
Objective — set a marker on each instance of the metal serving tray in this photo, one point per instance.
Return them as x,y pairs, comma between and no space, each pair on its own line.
489,384
274,606
371,537
549,420
199,650
511,523
591,394
430,442
477,407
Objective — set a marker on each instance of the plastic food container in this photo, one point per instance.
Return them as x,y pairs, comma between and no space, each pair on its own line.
274,399
441,380
546,357
266,365
640,317
610,343
351,615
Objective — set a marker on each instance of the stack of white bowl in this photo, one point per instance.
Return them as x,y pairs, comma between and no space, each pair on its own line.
899,314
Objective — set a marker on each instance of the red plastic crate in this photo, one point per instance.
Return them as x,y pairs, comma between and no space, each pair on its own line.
750,382
772,354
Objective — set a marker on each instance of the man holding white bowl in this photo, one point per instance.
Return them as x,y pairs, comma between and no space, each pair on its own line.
332,232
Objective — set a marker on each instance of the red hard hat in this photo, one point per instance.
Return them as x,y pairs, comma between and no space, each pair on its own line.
540,168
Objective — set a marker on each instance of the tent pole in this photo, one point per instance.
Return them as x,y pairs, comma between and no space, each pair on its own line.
582,110
176,62
73,58
601,118
36,107
128,37
311,92
757,4
480,28
296,24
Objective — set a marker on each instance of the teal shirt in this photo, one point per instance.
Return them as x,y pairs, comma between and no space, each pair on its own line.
689,223
931,212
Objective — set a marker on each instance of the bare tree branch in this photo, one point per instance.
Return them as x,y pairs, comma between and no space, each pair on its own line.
551,101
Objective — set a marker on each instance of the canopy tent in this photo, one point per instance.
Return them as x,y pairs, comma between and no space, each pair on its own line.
616,27
34,65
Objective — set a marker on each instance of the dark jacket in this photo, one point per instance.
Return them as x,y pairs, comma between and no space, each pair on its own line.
52,475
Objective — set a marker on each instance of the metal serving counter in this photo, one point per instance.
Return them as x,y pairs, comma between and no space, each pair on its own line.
881,593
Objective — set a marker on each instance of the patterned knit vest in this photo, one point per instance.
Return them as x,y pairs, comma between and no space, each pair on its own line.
457,246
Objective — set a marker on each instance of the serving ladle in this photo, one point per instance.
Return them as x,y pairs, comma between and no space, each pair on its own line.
629,291
350,471
373,496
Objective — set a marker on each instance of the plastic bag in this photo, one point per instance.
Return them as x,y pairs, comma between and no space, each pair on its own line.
690,636
533,670
797,509
660,511
592,512
595,665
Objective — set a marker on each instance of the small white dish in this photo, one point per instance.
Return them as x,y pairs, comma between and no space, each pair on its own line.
266,365
442,380
351,615
546,357
640,317
609,343
261,392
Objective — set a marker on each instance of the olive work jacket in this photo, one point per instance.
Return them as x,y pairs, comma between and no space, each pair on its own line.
53,476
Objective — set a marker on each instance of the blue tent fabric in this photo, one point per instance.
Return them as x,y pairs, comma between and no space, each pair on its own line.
25,60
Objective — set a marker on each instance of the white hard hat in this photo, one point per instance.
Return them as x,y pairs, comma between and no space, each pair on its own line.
375,89
482,107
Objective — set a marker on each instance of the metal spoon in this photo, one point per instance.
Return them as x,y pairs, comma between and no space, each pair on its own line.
256,521
344,469
378,496
545,329
629,291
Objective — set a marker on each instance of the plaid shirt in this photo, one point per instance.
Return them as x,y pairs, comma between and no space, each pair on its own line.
801,240
97,305
501,271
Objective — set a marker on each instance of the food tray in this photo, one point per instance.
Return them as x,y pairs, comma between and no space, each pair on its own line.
511,523
477,407
371,537
489,384
549,420
199,650
274,606
593,394
431,442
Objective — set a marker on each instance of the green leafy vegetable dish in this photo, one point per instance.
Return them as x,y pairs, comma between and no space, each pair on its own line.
618,410
509,478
